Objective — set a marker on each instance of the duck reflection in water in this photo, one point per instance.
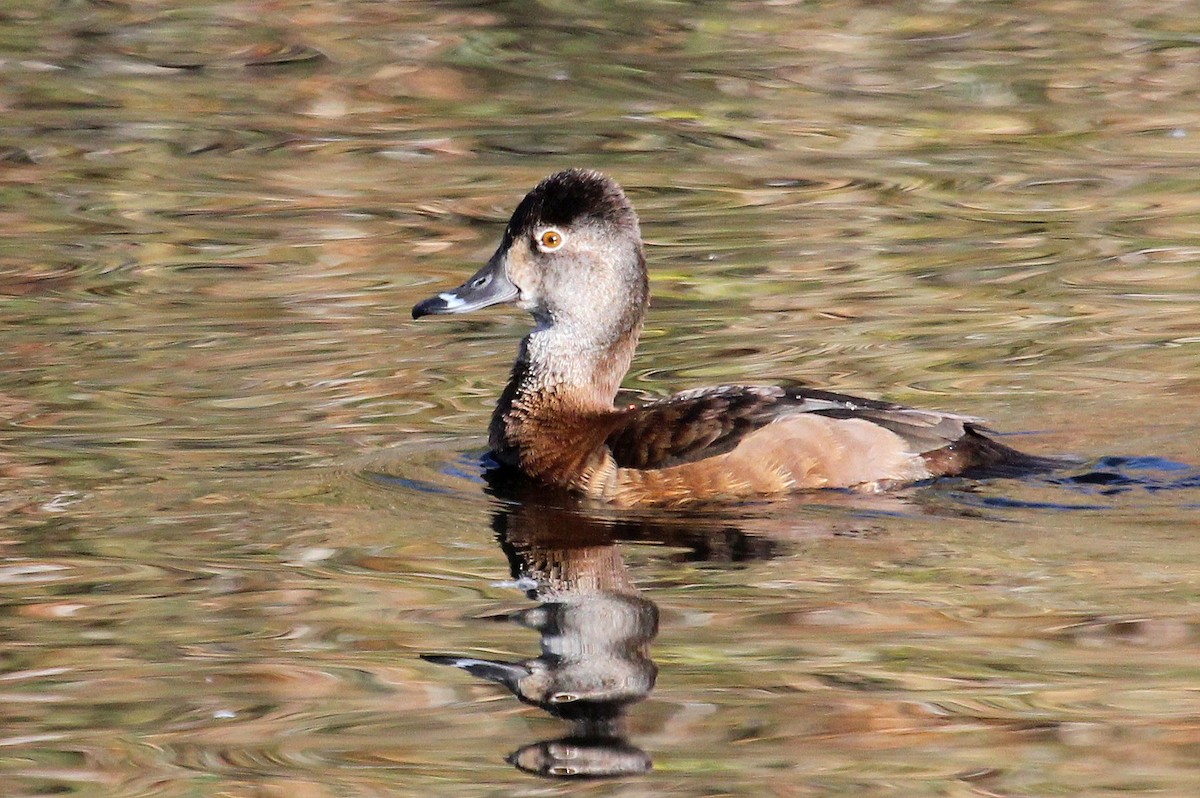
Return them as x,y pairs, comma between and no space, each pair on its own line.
595,627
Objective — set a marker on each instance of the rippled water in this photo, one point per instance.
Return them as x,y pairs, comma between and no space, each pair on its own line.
244,495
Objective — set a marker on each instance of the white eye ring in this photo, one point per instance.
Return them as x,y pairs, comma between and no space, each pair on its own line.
550,239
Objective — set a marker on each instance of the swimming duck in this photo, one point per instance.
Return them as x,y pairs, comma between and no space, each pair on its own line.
572,256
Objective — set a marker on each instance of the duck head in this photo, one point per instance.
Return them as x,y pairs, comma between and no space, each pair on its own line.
571,255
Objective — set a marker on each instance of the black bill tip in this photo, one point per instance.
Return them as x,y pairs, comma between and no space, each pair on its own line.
429,307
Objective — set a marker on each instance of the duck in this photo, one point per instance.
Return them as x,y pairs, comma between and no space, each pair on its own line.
572,256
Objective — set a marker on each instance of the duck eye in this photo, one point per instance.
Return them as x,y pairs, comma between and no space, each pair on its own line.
550,240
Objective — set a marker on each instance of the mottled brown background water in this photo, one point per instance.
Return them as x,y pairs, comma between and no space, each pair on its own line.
243,492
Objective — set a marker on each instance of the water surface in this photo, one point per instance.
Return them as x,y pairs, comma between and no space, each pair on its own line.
244,494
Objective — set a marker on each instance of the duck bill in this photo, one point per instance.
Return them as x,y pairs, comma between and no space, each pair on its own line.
509,674
488,286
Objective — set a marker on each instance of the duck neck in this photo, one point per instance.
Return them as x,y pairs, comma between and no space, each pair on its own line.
585,370
561,373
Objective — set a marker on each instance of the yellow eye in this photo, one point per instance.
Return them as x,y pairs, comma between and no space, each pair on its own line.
551,239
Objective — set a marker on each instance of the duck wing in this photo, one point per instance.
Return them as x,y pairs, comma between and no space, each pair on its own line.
698,424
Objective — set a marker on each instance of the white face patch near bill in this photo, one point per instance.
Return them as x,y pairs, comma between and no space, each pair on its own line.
452,301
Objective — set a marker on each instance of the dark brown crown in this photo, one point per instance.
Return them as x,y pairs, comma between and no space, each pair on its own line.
570,197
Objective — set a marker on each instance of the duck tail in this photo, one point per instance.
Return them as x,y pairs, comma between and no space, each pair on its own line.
978,455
